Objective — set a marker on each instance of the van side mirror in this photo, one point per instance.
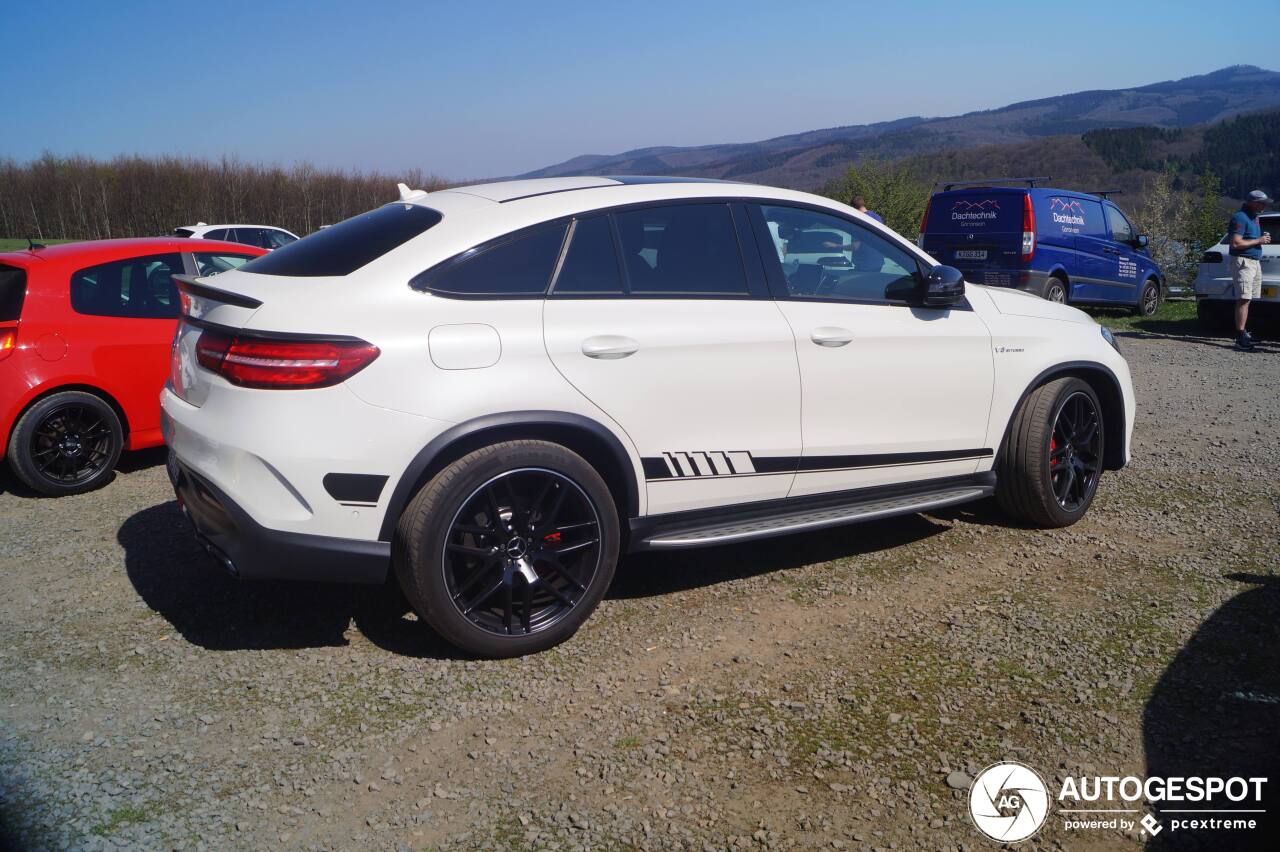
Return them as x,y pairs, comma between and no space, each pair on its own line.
943,287
1142,241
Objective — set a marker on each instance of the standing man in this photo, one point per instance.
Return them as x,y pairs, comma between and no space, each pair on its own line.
860,204
1245,237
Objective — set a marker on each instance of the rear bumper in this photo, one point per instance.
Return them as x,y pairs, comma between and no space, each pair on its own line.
251,551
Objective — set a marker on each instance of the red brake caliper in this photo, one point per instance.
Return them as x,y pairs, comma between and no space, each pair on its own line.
553,538
1053,445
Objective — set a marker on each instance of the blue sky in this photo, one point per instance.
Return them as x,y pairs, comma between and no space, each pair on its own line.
479,89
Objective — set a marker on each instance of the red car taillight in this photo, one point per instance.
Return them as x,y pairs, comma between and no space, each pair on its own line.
282,363
8,342
1028,228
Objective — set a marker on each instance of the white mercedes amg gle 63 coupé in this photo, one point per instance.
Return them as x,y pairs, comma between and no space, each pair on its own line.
493,391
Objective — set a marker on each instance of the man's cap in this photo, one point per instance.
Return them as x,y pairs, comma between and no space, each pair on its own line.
1257,195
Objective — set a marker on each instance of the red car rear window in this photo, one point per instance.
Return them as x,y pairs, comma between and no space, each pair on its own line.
13,289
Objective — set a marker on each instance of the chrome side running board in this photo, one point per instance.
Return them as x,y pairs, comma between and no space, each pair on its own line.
816,519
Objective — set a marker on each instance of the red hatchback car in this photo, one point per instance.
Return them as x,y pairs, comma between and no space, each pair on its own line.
85,331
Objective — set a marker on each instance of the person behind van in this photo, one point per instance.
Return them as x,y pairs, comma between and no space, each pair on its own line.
1246,238
860,204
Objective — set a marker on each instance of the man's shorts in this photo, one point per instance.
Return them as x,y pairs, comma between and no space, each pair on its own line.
1246,278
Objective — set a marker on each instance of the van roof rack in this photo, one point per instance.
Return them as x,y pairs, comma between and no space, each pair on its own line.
1029,181
1106,193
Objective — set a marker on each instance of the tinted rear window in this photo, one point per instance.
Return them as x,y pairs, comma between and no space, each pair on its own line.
591,263
516,266
13,289
347,246
182,232
684,249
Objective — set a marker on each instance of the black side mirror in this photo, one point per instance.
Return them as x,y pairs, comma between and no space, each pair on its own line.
943,287
1142,241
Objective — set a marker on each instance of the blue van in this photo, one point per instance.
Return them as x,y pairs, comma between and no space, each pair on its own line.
1062,245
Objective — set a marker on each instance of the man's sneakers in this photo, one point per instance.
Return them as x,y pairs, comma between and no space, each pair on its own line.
1244,342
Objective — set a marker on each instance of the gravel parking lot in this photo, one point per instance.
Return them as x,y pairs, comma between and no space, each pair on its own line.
835,690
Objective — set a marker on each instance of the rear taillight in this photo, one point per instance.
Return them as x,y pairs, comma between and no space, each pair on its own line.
282,363
1028,228
1211,257
924,222
8,342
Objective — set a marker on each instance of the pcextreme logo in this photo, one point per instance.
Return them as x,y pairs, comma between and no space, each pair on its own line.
1009,802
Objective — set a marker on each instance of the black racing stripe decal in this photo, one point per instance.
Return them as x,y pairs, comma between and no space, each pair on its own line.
883,459
659,469
655,468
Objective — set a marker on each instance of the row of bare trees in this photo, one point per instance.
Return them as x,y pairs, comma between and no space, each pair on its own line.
128,196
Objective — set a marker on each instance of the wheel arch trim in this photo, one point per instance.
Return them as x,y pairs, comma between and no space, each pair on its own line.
1115,425
34,395
507,426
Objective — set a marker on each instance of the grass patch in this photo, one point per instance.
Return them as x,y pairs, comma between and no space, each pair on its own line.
19,244
120,818
1173,318
629,742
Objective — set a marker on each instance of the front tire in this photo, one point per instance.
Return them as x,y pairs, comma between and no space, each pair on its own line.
1149,299
508,550
1051,461
66,443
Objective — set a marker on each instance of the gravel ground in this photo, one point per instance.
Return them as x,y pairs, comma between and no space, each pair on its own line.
835,690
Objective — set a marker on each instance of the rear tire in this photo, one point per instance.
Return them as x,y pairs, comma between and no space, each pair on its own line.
1215,316
508,550
1055,290
1149,299
1051,461
66,443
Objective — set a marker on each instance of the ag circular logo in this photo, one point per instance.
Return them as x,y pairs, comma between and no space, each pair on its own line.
1008,802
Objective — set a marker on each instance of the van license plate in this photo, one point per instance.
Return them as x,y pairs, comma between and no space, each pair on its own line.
971,254
1269,292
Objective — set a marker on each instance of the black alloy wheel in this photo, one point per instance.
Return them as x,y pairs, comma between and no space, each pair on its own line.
1075,451
66,443
522,552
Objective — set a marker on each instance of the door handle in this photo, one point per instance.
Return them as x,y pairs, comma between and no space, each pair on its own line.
609,347
830,335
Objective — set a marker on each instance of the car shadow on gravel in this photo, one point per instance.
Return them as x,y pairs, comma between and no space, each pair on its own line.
657,573
1215,711
179,581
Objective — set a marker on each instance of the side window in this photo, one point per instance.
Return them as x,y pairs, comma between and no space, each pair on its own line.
1121,230
137,287
519,266
685,250
216,234
591,263
212,264
276,239
826,257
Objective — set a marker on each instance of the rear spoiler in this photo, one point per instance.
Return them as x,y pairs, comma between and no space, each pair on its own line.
1029,181
190,285
1106,193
